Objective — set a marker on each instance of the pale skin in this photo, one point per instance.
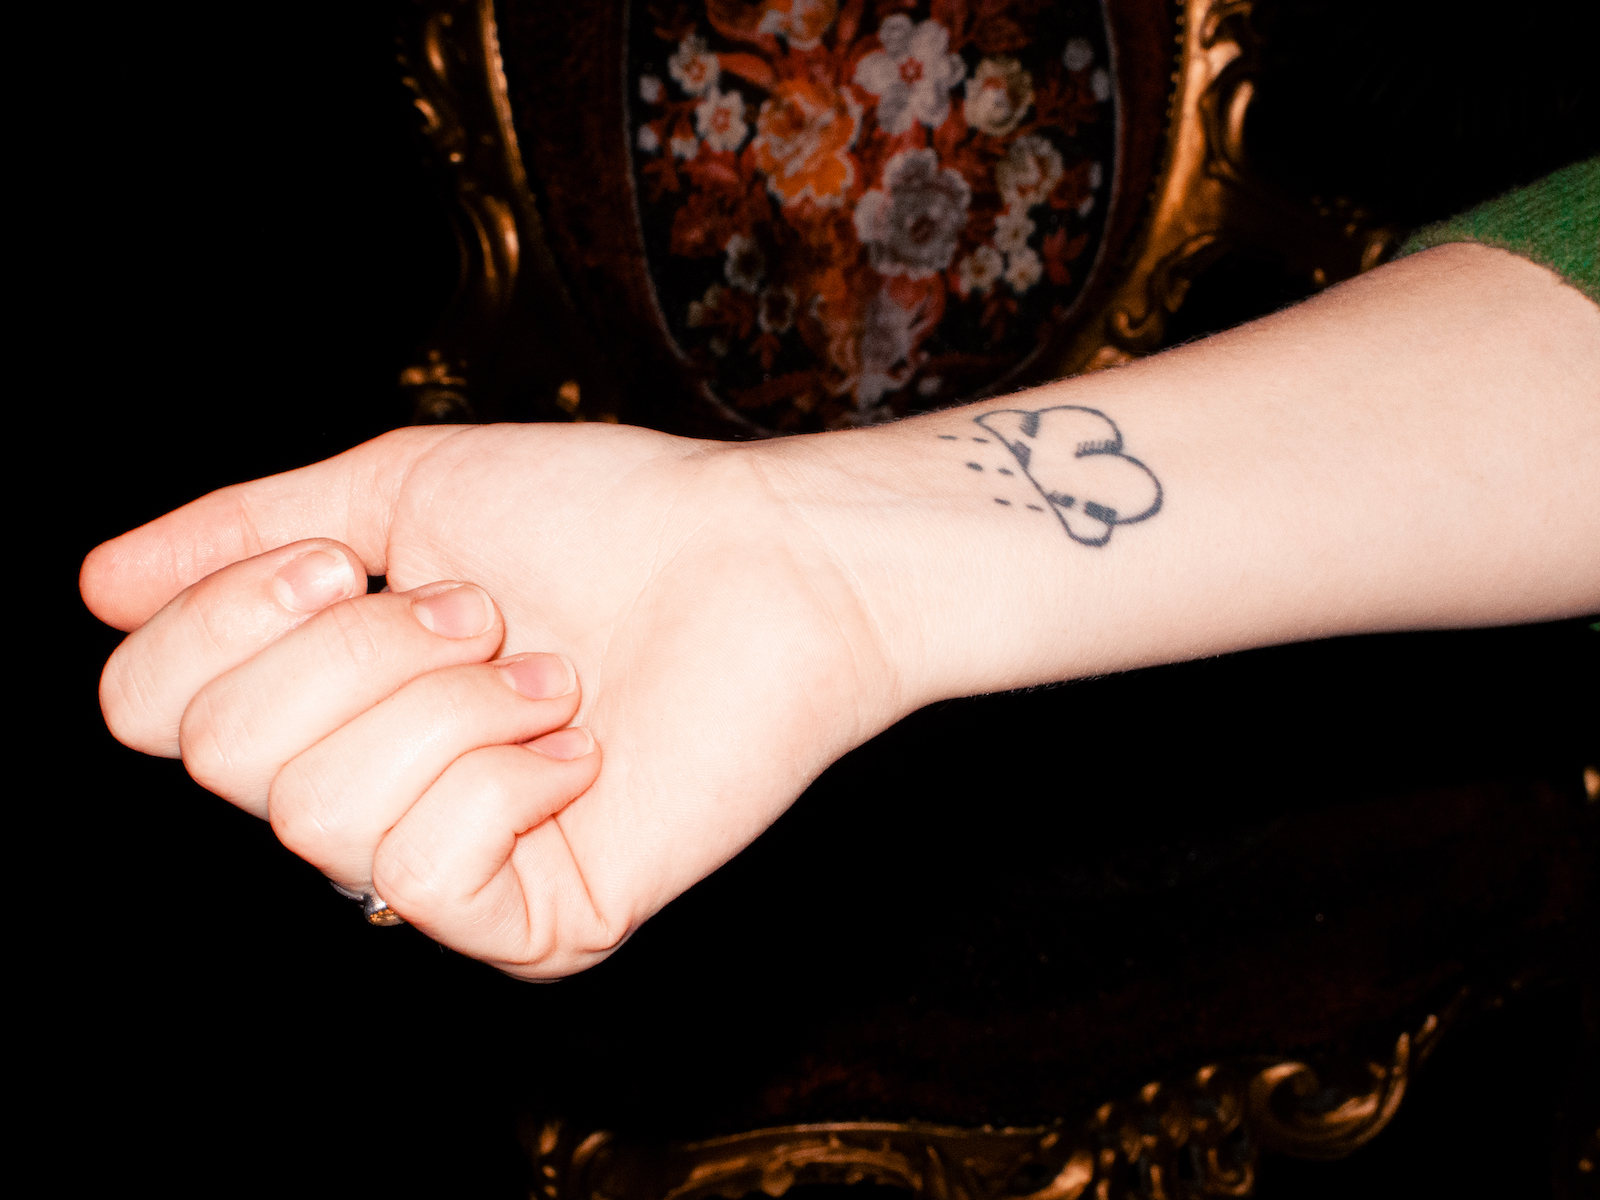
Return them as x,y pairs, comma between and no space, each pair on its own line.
1417,448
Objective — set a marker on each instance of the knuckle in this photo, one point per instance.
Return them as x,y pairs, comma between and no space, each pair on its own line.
348,630
565,929
452,696
204,619
481,774
211,739
594,936
606,935
407,876
307,814
132,710
413,871
562,944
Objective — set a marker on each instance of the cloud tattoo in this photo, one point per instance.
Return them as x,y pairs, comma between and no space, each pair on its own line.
1074,457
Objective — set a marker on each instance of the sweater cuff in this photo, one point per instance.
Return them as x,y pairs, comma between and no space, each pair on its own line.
1554,222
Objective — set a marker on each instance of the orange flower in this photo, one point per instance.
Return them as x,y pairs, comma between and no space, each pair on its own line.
804,134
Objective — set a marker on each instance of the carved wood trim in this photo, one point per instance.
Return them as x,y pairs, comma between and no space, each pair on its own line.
449,51
1208,198
1194,1135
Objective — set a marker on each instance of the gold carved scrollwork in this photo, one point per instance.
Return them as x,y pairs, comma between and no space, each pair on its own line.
1291,1111
1208,197
451,60
1193,1136
508,283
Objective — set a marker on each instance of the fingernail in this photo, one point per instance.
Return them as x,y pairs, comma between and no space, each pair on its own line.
462,612
314,581
539,676
564,744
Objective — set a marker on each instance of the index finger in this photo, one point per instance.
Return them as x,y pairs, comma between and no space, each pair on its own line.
212,627
349,498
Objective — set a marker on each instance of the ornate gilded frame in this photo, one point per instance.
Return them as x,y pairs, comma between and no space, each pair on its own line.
1206,199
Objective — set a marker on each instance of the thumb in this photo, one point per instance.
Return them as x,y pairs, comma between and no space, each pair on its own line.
350,498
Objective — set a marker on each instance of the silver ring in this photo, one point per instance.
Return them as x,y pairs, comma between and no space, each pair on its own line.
372,906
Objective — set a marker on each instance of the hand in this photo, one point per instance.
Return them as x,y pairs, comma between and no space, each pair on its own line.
368,728
725,664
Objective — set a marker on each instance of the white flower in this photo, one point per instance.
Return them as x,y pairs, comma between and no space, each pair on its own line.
1086,206
998,94
720,118
1023,270
978,270
801,22
694,67
1078,54
1100,82
1097,175
1012,231
649,139
745,264
684,145
912,75
650,89
910,227
1028,173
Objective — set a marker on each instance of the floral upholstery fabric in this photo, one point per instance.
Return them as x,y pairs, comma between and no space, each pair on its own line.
853,211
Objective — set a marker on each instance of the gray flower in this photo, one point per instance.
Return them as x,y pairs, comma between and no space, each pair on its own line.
886,347
745,264
1078,54
910,227
775,310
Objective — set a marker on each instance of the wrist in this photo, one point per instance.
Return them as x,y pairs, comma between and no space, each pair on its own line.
961,599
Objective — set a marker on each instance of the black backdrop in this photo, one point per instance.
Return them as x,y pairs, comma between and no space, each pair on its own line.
238,244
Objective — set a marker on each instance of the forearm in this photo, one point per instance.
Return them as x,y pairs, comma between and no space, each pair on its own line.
1417,448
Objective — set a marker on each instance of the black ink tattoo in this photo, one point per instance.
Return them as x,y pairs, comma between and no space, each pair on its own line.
1073,457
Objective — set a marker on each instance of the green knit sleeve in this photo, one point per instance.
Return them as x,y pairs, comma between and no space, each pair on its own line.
1554,222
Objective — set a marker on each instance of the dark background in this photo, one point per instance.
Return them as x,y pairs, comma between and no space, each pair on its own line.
239,242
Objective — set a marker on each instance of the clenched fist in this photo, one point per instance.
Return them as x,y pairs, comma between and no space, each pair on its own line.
420,743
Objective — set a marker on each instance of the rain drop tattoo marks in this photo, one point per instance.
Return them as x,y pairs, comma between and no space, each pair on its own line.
1073,458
